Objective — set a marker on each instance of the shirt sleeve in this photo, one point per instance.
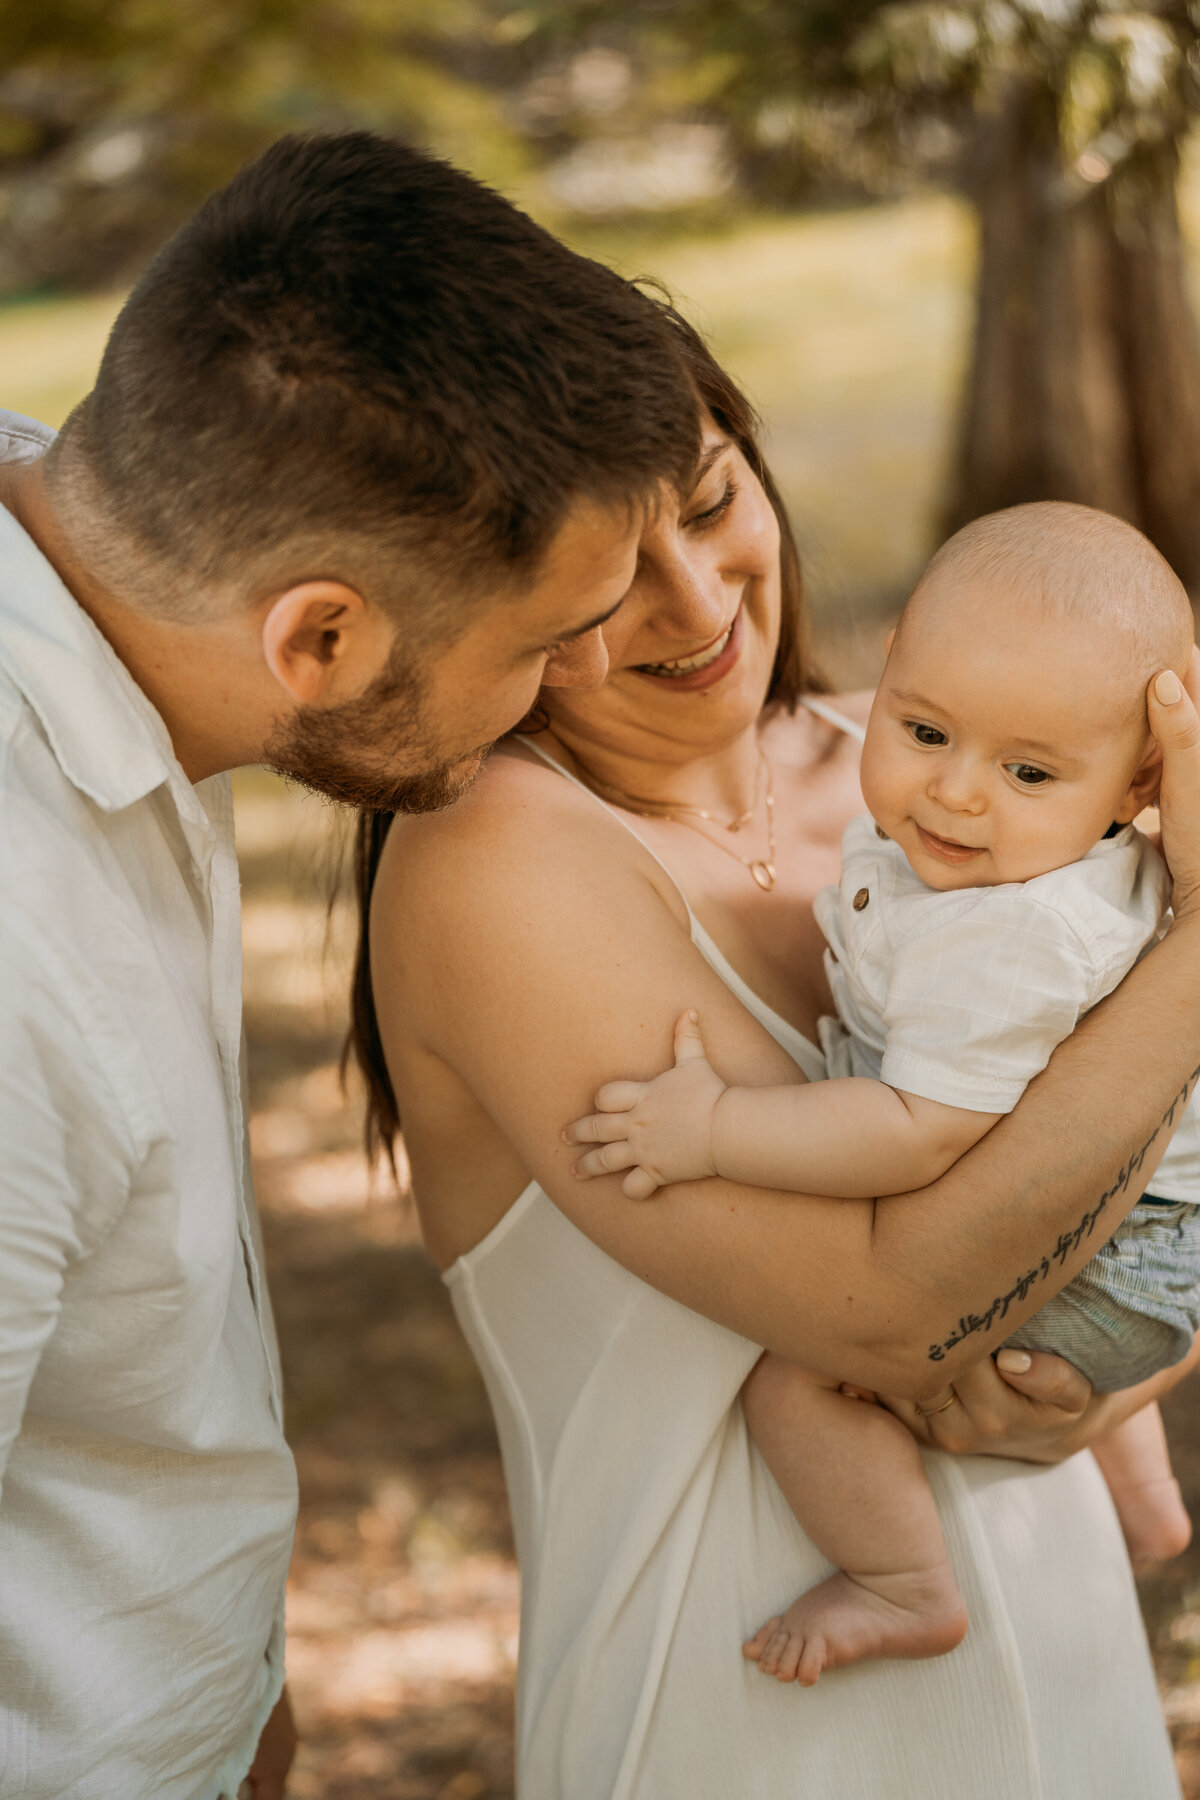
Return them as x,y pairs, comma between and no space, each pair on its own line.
66,1169
976,1006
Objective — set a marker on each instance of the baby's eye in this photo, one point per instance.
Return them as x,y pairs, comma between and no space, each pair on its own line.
926,734
1027,774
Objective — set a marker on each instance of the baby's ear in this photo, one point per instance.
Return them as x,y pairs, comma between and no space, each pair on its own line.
1143,789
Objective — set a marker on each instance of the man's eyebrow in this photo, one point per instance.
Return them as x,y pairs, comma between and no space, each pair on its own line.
709,457
569,637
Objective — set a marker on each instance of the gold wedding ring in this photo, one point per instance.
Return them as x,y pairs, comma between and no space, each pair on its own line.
927,1412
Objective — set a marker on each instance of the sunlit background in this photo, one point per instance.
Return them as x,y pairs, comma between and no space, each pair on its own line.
811,181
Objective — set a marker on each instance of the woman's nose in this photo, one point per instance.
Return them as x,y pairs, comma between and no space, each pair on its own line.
583,663
691,600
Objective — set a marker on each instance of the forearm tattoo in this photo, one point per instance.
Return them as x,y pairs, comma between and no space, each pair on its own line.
1068,1241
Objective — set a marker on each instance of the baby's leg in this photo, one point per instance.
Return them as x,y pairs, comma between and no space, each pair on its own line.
1136,1464
853,1477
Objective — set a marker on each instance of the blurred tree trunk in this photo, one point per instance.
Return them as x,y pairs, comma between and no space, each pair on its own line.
1085,378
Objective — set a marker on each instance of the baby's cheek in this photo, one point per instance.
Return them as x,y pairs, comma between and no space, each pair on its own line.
883,785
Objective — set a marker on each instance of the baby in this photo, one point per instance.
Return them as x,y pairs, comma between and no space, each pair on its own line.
996,892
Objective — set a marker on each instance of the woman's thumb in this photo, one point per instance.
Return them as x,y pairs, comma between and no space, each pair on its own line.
688,1042
1175,723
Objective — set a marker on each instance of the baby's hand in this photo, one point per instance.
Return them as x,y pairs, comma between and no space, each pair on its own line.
660,1130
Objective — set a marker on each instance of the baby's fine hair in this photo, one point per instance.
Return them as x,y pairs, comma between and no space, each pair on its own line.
1086,565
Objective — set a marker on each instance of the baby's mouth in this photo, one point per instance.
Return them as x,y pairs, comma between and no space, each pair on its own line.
946,848
689,665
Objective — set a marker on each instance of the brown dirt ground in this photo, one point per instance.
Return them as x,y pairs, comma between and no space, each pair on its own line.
403,1603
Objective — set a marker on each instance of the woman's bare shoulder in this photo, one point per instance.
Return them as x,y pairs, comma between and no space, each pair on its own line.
519,827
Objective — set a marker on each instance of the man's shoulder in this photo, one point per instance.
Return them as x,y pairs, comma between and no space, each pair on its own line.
23,440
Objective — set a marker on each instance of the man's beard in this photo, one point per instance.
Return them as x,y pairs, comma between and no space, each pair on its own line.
341,751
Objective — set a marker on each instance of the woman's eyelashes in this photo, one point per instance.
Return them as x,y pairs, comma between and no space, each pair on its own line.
711,514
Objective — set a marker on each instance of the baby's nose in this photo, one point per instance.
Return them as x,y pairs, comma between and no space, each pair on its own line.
958,787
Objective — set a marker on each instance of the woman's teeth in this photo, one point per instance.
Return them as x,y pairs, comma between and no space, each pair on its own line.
687,665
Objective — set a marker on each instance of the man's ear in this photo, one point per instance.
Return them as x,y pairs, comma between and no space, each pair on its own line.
323,643
1143,789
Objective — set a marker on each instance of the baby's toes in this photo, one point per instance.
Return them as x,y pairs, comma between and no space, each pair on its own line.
789,1657
776,1646
810,1662
753,1648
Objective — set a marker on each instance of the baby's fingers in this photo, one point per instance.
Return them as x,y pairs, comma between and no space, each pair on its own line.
605,1161
639,1184
597,1128
689,1045
620,1096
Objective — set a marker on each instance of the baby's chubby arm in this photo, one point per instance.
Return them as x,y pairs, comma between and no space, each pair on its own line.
851,1138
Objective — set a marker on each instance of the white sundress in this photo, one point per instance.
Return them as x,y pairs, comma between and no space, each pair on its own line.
652,1540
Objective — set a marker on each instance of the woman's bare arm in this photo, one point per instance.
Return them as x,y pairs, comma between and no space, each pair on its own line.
538,956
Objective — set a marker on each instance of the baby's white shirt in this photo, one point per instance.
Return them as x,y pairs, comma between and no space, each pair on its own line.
962,996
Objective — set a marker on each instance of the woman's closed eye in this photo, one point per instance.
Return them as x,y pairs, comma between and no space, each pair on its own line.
1028,774
718,509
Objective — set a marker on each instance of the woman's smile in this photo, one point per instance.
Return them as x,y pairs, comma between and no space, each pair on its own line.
705,667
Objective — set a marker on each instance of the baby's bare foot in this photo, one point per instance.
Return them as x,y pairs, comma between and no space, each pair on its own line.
1154,1520
844,1620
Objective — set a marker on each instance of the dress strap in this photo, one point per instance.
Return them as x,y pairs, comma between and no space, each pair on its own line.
553,763
802,1052
833,717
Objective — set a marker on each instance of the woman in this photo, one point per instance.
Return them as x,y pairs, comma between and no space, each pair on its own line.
657,846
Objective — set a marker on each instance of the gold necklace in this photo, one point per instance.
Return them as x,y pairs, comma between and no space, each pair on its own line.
762,869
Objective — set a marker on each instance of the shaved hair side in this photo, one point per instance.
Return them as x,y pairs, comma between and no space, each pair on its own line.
1074,562
357,363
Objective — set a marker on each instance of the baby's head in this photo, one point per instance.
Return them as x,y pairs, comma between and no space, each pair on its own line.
1010,729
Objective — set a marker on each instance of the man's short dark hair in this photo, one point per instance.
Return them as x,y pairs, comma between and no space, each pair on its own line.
357,361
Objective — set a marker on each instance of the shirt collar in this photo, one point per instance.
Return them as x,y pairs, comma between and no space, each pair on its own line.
106,736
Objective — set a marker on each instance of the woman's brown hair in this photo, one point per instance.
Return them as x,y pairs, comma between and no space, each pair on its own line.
792,675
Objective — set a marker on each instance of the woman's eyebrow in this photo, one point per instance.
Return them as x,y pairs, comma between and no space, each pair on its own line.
709,457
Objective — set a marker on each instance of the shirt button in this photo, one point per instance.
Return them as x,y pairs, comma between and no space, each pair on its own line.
860,899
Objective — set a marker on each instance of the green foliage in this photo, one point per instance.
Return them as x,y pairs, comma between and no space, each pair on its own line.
870,90
116,116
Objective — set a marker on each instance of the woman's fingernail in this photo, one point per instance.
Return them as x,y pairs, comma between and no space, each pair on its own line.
1168,688
1014,1362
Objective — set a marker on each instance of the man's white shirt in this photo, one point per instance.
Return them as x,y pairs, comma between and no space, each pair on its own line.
147,1496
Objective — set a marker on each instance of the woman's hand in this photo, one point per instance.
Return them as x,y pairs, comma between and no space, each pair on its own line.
1176,729
1034,1407
1030,1408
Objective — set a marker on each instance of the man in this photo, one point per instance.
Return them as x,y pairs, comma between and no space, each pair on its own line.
364,466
